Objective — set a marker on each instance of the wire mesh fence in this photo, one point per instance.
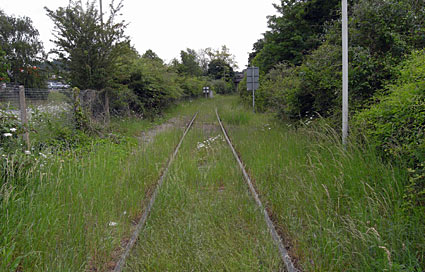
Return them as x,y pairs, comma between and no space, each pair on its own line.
25,104
51,101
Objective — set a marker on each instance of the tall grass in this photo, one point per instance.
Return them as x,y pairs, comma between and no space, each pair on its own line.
204,218
69,211
340,208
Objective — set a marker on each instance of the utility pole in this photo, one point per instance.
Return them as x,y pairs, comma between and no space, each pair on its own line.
101,12
344,72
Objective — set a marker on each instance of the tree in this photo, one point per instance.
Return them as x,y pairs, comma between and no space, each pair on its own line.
189,63
86,45
219,69
149,54
223,55
4,66
294,33
23,50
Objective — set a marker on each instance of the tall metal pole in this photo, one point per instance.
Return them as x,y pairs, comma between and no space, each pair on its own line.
344,72
101,12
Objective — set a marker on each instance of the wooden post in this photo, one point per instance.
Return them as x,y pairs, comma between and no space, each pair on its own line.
24,119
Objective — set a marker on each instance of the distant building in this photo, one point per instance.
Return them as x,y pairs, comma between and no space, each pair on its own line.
239,76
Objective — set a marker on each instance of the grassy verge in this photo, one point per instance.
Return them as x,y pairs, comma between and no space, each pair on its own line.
342,210
204,218
69,210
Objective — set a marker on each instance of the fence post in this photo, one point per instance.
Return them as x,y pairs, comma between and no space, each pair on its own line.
24,119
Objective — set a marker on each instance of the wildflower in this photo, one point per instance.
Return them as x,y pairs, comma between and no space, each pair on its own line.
12,129
200,145
125,212
112,224
7,134
41,154
27,152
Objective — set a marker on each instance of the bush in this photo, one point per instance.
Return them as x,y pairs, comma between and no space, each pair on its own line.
192,86
396,125
222,87
154,85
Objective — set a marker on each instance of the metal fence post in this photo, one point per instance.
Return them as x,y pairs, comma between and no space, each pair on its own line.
24,119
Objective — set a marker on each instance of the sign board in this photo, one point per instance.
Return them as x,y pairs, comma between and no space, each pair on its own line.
252,78
206,91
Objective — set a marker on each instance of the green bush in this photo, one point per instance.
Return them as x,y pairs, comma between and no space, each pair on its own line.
192,86
396,125
154,85
222,87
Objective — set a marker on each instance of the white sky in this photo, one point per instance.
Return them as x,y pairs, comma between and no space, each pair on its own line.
168,26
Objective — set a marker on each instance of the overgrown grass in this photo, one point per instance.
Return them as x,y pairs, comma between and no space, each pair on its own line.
341,209
68,210
204,218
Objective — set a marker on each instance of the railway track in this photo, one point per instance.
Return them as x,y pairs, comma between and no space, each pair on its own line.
120,264
276,238
286,259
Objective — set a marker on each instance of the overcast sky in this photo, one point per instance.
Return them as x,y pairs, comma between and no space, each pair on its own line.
168,26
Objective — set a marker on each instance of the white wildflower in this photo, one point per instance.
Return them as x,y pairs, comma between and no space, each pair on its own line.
200,145
125,212
41,154
112,224
12,129
7,134
27,152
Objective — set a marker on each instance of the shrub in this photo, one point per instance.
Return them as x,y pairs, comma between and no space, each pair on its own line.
154,85
396,124
192,86
222,87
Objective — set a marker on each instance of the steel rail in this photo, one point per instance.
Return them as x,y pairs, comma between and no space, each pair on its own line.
277,239
120,264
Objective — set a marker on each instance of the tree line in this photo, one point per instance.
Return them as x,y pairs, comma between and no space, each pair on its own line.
300,61
91,53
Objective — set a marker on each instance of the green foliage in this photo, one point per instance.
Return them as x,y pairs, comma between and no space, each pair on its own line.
192,86
223,54
219,69
10,129
22,51
87,46
293,33
388,26
396,124
340,208
4,66
189,63
155,85
221,86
